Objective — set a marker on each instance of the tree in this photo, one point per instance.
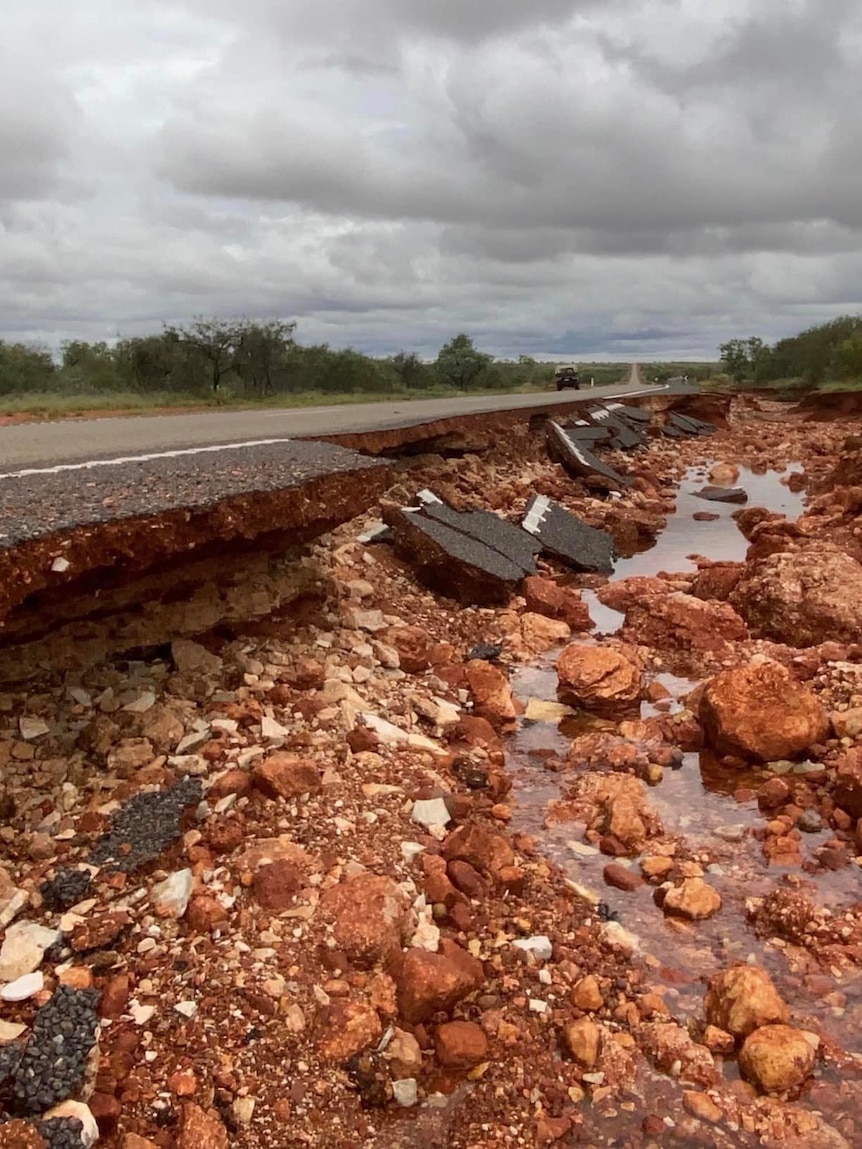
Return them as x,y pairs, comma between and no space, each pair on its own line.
218,341
459,364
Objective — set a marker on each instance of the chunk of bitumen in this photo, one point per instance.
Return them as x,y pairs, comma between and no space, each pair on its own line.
691,426
577,459
498,534
635,415
453,563
146,826
62,1132
583,432
53,1064
568,538
722,494
66,888
485,652
10,1058
625,436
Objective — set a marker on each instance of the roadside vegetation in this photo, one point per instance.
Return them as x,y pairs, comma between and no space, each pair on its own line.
244,362
826,357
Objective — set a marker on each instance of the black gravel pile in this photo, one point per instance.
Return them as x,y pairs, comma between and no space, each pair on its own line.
62,1132
52,1066
146,826
66,888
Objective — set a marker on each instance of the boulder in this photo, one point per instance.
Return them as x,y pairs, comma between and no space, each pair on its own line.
484,850
760,713
492,694
598,678
847,791
802,597
743,998
286,776
684,621
367,916
350,1027
559,602
414,647
460,1044
777,1058
694,900
430,983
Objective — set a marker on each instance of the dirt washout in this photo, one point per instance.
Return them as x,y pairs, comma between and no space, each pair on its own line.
344,880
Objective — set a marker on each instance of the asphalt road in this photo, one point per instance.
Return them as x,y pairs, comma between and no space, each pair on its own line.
75,442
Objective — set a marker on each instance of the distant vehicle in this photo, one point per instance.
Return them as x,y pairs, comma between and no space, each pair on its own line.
567,375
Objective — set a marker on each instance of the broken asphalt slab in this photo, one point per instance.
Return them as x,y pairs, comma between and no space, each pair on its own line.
578,459
626,436
568,538
689,425
452,561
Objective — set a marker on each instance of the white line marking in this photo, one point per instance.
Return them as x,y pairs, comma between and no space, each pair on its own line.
91,463
536,514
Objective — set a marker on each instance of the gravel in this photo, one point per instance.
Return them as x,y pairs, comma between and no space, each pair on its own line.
62,1132
66,888
146,826
52,1066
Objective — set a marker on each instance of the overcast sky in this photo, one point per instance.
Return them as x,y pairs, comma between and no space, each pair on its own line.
618,178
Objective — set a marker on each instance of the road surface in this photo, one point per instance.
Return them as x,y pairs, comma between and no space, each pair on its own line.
48,445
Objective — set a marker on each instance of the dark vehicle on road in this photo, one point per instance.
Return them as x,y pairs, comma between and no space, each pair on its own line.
567,375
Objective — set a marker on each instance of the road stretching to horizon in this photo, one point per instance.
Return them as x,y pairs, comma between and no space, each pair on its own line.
73,443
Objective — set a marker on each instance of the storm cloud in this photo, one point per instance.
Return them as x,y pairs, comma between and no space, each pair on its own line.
615,179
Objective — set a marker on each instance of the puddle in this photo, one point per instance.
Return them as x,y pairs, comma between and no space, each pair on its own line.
695,803
720,540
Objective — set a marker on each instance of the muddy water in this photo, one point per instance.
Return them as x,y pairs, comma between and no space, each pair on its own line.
696,804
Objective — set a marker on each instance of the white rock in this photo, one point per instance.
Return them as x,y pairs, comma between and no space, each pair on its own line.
617,937
10,1031
192,764
141,1014
540,946
392,735
23,987
32,728
187,1008
411,850
81,1112
431,812
191,742
538,1006
24,948
15,903
243,1109
81,696
426,936
60,565
269,728
145,701
406,1092
539,710
171,897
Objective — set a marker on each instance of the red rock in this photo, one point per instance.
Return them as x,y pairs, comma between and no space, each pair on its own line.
492,694
232,782
559,602
693,899
777,1058
683,621
743,998
414,647
724,474
478,732
466,879
275,886
460,1044
205,913
306,674
350,1028
587,995
847,791
717,581
115,996
430,983
599,679
368,918
199,1129
622,878
286,776
667,1042
99,931
437,885
133,1141
803,596
758,712
483,849
773,794
107,1110
583,1039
